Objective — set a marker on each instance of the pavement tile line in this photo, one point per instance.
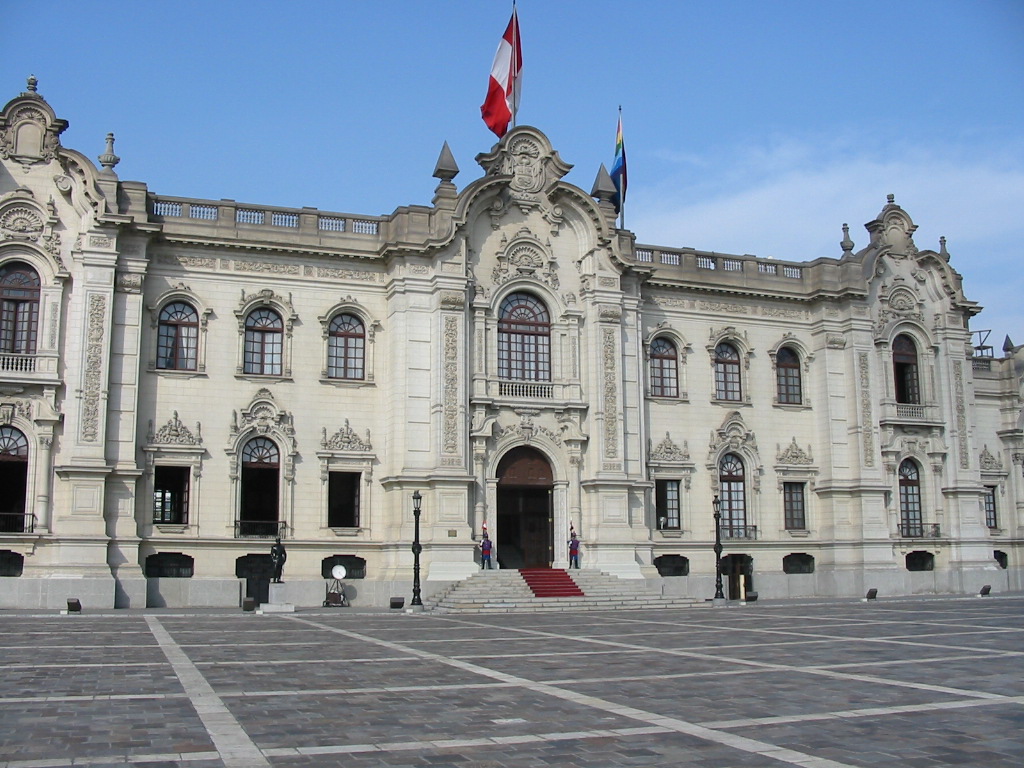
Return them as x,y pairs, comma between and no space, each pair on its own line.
773,666
233,744
735,741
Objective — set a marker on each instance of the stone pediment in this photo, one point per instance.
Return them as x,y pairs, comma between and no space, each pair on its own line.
532,167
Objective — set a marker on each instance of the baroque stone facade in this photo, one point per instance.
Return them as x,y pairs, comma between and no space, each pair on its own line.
520,361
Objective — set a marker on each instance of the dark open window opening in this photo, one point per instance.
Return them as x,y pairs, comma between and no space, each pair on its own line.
672,565
170,494
258,513
14,482
355,567
11,563
787,370
343,499
905,370
667,504
169,565
920,561
798,562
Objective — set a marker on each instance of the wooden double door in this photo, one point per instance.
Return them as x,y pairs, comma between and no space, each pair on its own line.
525,515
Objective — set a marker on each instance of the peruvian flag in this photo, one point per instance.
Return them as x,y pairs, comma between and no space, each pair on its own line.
502,102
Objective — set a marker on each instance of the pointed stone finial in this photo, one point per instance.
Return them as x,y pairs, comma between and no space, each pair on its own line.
890,199
604,188
942,248
446,168
108,159
32,83
846,244
1007,345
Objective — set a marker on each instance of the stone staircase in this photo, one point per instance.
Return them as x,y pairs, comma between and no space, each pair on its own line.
505,591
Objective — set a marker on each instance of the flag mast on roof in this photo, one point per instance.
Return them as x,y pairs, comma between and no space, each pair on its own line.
502,101
618,174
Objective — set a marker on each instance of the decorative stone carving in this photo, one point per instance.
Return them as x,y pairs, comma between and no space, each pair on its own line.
864,380
835,341
262,416
450,384
175,433
988,462
345,439
525,257
668,451
532,168
129,282
453,300
96,322
266,267
961,415
611,397
20,223
794,454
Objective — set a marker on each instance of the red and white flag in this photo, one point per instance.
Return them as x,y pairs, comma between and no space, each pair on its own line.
502,102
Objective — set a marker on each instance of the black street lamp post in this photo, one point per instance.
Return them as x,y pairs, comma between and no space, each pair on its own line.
719,597
417,500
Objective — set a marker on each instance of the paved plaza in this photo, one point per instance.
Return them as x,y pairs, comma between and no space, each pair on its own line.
904,682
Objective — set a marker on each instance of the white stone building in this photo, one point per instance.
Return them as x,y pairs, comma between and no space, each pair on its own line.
183,380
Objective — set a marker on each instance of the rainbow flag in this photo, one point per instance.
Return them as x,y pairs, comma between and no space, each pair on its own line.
619,169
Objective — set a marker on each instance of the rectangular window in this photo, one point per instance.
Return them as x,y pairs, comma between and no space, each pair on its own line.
343,500
170,495
793,498
991,519
667,504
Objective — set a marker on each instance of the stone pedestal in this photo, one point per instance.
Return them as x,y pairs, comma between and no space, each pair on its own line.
276,603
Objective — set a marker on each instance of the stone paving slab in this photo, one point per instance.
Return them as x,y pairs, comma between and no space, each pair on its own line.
928,682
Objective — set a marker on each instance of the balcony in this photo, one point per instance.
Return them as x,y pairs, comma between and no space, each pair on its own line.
17,522
920,531
28,368
260,529
748,532
909,413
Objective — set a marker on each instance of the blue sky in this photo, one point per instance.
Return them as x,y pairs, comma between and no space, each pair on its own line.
751,127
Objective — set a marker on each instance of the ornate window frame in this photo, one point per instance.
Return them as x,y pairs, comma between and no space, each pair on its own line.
173,444
683,350
346,451
735,437
994,475
668,461
179,293
804,357
351,306
738,341
263,417
795,465
283,306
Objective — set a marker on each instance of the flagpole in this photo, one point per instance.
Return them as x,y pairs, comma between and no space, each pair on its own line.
622,193
515,62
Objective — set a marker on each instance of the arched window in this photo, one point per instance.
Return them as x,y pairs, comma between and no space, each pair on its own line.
346,348
727,372
910,500
787,377
19,308
264,343
177,337
524,339
13,481
905,370
258,512
732,493
664,369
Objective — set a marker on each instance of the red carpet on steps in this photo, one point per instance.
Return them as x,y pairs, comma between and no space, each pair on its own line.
550,582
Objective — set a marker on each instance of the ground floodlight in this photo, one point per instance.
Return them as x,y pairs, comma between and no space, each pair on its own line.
74,605
872,594
985,591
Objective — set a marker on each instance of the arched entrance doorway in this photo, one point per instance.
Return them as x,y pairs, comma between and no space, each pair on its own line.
524,534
